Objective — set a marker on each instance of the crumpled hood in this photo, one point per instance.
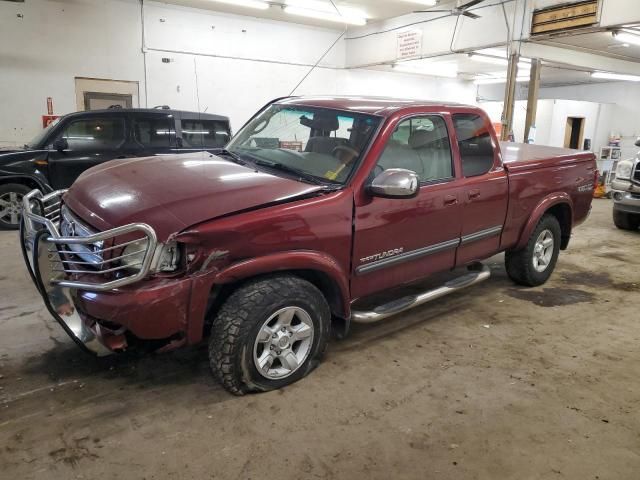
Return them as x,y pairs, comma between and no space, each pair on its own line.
173,192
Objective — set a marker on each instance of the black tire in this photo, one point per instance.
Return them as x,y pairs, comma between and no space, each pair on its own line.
520,264
242,317
626,221
7,220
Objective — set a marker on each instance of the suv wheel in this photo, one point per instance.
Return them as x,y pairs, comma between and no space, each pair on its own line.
11,205
626,221
269,333
534,264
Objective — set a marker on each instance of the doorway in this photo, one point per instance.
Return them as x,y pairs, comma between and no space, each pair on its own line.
98,93
574,133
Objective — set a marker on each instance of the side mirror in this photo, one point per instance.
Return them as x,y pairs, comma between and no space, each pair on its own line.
61,144
638,142
395,183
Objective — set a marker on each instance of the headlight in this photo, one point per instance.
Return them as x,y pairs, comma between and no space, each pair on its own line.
133,254
624,170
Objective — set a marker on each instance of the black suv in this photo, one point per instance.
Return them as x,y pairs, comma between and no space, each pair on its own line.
78,141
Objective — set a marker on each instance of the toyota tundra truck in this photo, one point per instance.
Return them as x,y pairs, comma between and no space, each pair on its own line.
316,207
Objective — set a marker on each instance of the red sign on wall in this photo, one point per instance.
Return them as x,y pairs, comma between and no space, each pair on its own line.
48,119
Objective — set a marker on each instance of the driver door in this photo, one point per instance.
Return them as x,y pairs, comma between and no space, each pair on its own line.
402,240
90,141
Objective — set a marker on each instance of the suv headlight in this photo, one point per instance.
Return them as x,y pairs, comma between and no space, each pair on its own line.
168,256
625,167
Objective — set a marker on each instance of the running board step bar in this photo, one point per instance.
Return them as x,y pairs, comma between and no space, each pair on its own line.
479,273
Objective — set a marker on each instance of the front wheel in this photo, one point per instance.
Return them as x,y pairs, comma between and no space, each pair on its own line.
11,205
626,221
534,264
269,333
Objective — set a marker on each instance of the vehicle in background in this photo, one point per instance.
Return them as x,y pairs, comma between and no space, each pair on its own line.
626,194
314,209
81,140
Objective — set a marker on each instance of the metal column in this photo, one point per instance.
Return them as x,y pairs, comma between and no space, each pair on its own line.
509,96
532,100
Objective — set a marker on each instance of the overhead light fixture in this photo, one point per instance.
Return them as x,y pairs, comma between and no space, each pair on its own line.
424,3
615,76
523,64
325,11
492,81
435,69
626,37
245,3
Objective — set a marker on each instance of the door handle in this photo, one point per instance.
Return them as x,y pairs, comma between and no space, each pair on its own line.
473,194
450,200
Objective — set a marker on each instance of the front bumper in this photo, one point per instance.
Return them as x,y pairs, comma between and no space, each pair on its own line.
626,201
96,309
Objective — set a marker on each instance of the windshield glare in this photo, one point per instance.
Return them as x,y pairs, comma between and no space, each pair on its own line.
320,142
38,139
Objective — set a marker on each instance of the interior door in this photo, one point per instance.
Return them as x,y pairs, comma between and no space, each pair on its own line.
401,240
90,141
485,189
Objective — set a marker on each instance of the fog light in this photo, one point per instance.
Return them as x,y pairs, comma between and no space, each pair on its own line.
617,196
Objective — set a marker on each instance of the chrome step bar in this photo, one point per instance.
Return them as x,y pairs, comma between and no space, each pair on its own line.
479,273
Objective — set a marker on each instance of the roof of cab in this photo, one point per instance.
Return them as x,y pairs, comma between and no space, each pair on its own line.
382,106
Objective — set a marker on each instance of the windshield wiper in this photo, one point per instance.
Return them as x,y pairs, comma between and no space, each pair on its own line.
234,156
292,170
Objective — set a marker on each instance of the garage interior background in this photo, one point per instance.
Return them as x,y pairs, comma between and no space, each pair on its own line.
225,63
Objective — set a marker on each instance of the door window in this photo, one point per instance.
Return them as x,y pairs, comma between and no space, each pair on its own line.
420,144
95,133
154,130
475,144
205,133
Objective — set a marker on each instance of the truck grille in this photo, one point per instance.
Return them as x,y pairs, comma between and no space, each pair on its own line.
636,173
80,257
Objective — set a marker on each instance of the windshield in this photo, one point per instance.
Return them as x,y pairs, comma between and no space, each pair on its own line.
39,138
317,142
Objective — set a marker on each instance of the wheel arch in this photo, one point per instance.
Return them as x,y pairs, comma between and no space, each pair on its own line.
319,269
560,206
28,180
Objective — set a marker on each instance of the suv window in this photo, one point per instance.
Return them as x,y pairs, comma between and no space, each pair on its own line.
154,130
205,133
97,133
420,144
474,141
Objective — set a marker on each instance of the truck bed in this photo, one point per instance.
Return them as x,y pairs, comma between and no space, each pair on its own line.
523,156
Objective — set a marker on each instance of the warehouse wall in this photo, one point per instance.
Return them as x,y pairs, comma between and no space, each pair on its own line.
238,63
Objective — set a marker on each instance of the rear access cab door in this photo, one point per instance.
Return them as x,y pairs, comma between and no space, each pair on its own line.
457,215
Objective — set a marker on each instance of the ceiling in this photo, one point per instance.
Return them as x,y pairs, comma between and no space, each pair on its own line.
376,10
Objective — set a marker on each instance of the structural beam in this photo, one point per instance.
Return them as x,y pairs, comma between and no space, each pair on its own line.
509,97
532,99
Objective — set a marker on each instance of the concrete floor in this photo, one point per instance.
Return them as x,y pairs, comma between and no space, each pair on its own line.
497,382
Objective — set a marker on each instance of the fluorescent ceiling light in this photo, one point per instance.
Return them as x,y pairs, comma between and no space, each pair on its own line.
425,3
491,81
523,64
246,3
615,76
435,69
326,11
625,37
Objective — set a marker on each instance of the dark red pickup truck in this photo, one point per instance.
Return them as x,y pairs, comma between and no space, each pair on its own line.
316,205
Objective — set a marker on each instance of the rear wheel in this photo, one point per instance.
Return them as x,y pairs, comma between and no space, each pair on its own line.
626,221
534,264
269,333
11,205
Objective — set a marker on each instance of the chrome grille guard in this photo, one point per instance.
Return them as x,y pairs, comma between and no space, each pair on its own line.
63,264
